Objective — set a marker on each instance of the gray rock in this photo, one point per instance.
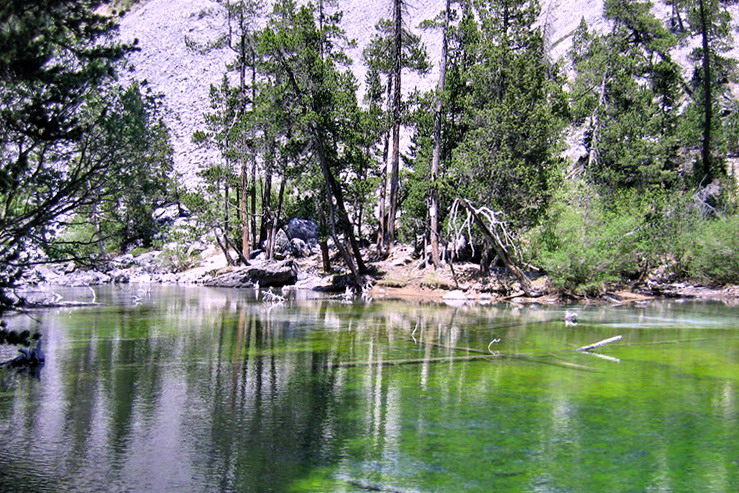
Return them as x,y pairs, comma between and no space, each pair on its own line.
121,262
167,214
120,276
84,278
299,248
148,262
282,243
267,274
303,229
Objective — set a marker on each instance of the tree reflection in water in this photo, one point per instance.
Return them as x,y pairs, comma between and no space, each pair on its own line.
204,389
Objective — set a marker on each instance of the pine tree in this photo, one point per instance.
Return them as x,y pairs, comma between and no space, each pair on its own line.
125,132
393,49
626,95
53,53
304,62
515,110
713,71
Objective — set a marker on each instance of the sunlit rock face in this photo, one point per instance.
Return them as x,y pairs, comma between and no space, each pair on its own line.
184,75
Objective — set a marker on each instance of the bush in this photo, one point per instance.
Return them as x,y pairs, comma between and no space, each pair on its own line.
175,258
712,251
583,244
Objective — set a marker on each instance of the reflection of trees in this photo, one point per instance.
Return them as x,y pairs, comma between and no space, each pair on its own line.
211,390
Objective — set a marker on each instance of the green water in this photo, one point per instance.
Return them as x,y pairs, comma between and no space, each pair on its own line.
197,389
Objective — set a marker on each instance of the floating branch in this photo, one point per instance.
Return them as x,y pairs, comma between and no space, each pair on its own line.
529,357
600,343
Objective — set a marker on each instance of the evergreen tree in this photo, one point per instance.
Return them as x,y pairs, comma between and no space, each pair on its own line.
53,53
626,94
393,49
438,124
305,63
126,134
514,113
713,104
232,128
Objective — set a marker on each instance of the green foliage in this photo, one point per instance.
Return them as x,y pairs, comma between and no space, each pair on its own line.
57,60
588,240
514,112
626,95
582,245
128,137
711,251
176,258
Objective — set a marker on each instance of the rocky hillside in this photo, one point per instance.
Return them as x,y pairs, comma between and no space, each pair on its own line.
184,75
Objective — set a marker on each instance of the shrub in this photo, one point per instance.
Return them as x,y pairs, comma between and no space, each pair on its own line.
712,251
582,244
175,258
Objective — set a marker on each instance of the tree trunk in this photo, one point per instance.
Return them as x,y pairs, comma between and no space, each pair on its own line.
266,224
276,219
244,211
323,243
338,219
707,97
395,155
436,156
382,230
500,249
253,155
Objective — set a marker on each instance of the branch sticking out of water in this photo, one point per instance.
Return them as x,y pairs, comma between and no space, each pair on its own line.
599,343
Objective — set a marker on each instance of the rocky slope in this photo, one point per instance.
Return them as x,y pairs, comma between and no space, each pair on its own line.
184,75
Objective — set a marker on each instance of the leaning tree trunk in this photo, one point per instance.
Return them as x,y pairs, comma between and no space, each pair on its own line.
337,218
499,247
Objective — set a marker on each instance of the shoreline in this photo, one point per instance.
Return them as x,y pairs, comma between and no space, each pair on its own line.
399,277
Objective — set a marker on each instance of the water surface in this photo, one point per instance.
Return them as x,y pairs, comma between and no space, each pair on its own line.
199,389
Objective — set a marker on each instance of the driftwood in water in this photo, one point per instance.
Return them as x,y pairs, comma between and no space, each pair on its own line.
480,355
599,343
533,358
412,361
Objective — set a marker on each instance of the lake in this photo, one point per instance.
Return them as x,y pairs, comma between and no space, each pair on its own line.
200,389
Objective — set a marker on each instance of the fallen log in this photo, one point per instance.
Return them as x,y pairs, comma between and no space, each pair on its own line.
487,222
412,361
599,343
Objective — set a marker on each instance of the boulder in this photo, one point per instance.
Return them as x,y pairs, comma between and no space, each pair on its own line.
303,229
282,243
84,278
299,248
120,276
121,262
267,274
148,262
168,214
